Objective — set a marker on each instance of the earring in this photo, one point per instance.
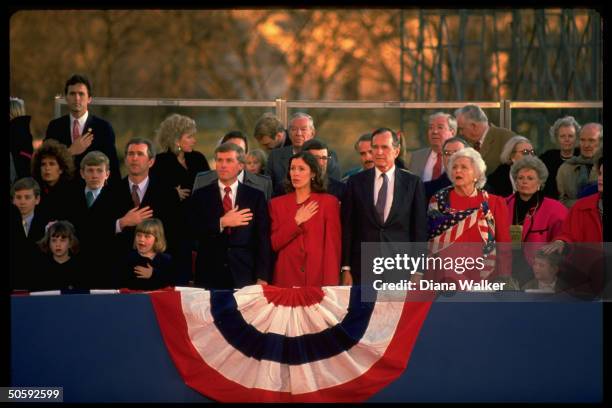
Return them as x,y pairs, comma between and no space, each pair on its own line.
179,147
312,179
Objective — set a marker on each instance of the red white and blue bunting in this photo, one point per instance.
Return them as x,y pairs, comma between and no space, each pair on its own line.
269,344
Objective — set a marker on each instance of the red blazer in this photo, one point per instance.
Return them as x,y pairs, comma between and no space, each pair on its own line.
583,223
308,255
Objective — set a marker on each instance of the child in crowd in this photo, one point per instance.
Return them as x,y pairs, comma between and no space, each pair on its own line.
148,267
545,270
27,226
256,161
59,268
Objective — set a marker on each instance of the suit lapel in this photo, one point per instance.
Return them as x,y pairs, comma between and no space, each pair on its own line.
87,123
66,135
398,192
488,143
369,194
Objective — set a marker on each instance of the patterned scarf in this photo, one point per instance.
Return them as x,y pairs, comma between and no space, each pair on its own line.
447,224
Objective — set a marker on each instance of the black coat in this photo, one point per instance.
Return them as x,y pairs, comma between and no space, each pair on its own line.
168,169
95,229
161,198
23,251
163,273
236,259
103,140
21,145
406,222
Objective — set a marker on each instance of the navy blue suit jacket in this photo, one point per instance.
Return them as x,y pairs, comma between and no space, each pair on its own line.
406,222
103,140
245,252
161,198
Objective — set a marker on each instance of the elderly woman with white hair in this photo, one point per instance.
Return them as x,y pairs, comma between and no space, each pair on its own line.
534,218
465,213
515,149
564,134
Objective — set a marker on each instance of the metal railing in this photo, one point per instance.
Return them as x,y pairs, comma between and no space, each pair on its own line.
282,106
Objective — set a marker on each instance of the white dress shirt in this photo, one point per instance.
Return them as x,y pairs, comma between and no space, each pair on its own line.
429,165
81,121
232,194
142,190
378,181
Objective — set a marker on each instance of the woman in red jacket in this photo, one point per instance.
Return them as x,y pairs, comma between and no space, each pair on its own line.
465,222
583,225
536,218
306,228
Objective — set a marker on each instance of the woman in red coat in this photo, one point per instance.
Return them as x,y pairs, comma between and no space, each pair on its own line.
305,228
583,227
465,222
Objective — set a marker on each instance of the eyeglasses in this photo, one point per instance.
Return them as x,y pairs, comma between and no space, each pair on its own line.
526,151
295,130
449,153
321,157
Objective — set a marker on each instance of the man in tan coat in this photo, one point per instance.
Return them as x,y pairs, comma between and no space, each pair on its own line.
473,125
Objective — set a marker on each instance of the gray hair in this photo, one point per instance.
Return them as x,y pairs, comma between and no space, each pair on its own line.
599,127
533,163
508,149
559,123
231,147
299,115
171,130
472,112
450,119
479,165
16,108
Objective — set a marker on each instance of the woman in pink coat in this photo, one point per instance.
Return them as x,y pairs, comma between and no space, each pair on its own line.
536,218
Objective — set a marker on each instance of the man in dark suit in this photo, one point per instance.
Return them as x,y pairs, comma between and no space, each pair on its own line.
301,130
320,151
383,204
140,196
260,182
270,133
489,140
81,131
449,147
231,223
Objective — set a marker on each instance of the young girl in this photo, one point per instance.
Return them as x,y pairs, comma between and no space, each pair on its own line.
58,267
148,267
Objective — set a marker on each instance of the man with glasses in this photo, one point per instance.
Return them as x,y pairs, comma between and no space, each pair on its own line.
473,125
427,162
320,151
301,130
449,147
576,173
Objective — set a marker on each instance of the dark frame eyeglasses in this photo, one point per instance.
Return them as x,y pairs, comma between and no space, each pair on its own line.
526,151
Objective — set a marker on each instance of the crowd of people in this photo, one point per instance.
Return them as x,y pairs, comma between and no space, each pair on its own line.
284,214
